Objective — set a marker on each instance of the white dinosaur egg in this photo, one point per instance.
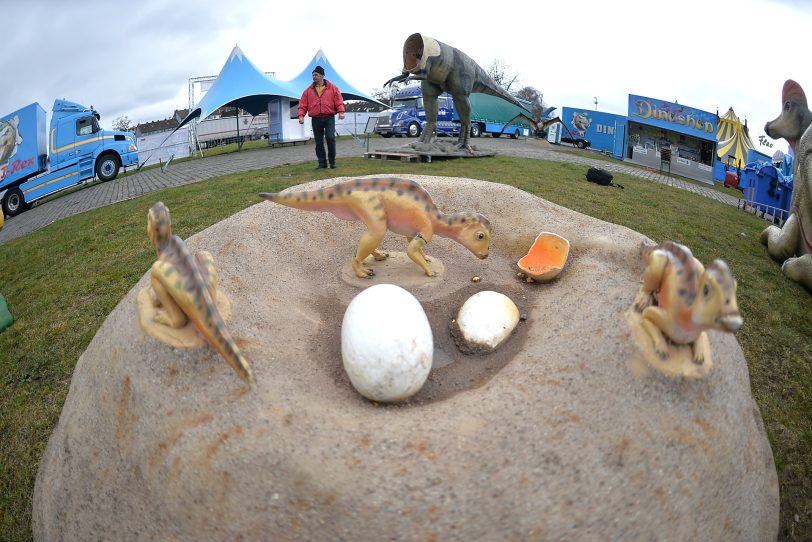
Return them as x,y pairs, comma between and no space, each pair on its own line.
487,318
386,343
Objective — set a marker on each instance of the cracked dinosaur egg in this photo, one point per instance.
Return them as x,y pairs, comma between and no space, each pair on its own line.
486,319
546,257
386,343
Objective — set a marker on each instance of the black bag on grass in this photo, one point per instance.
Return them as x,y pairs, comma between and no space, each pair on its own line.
600,176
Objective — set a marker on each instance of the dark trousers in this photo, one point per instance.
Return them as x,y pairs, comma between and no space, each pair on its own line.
325,127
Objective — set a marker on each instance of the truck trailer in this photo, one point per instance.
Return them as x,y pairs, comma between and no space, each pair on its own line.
35,164
489,114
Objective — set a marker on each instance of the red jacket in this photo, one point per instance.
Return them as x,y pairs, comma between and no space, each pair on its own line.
329,103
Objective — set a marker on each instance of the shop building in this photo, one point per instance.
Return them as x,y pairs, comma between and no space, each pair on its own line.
670,135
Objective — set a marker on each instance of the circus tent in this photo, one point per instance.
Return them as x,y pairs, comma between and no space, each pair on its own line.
733,140
241,84
305,78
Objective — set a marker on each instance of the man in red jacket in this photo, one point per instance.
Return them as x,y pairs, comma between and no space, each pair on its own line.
322,100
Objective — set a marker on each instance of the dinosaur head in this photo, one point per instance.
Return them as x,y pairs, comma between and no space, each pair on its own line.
159,226
795,116
475,235
716,302
416,52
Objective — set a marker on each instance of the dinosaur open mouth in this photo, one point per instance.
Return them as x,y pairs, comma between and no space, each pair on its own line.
412,52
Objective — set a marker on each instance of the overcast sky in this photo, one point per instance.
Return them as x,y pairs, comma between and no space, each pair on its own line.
136,58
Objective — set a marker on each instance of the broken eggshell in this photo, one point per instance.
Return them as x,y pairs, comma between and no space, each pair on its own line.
386,343
486,319
546,258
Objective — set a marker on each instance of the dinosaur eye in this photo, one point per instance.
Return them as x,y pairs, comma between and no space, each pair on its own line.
706,291
786,105
480,235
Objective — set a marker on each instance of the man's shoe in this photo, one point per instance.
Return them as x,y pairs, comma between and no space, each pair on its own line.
321,166
332,166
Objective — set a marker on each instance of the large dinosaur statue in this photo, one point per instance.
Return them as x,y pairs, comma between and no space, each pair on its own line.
792,244
401,206
440,67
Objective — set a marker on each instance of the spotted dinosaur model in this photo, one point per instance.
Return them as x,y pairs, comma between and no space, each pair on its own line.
440,67
689,298
185,286
792,243
400,205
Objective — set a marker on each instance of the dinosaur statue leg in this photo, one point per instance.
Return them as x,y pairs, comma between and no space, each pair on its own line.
800,270
430,93
370,212
415,253
652,276
464,111
205,262
422,252
782,242
701,349
654,320
172,315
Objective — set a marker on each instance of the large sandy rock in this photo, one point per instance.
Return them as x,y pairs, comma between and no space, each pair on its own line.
561,434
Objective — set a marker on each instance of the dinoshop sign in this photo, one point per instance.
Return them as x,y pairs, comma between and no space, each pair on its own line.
672,116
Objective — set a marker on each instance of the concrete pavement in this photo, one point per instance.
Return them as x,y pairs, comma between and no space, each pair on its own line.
100,194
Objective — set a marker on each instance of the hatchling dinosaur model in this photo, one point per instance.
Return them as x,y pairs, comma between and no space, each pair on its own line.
440,67
689,299
185,286
400,205
792,243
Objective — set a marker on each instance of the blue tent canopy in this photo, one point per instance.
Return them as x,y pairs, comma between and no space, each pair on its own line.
304,79
241,84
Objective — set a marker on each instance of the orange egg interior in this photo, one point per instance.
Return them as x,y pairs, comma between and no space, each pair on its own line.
547,256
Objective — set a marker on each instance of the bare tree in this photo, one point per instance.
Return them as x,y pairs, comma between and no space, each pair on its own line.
501,74
123,124
386,95
534,95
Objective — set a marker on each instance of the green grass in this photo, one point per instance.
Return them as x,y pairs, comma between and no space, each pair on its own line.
62,281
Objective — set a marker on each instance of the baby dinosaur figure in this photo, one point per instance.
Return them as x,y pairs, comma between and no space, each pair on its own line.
400,205
186,287
689,298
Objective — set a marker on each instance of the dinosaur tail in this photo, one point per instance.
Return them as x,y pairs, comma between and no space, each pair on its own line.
206,318
215,333
484,84
298,200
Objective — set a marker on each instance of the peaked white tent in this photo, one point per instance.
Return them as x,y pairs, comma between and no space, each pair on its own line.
241,84
348,91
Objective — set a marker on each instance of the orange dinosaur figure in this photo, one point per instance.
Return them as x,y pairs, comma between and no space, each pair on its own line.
689,299
400,205
184,286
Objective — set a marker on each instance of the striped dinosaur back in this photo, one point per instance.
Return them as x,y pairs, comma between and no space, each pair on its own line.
191,292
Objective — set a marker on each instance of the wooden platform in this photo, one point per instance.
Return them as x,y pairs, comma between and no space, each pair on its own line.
401,156
405,156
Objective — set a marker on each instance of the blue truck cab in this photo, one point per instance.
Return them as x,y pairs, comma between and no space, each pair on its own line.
489,115
35,164
408,115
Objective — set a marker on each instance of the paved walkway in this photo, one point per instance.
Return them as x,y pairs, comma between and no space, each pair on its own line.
131,186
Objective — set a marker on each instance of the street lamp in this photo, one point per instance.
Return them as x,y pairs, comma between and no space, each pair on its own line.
596,103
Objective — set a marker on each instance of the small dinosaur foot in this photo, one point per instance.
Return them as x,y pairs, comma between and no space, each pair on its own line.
641,301
662,351
380,256
360,271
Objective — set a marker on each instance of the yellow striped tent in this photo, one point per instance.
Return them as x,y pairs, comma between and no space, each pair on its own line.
732,140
